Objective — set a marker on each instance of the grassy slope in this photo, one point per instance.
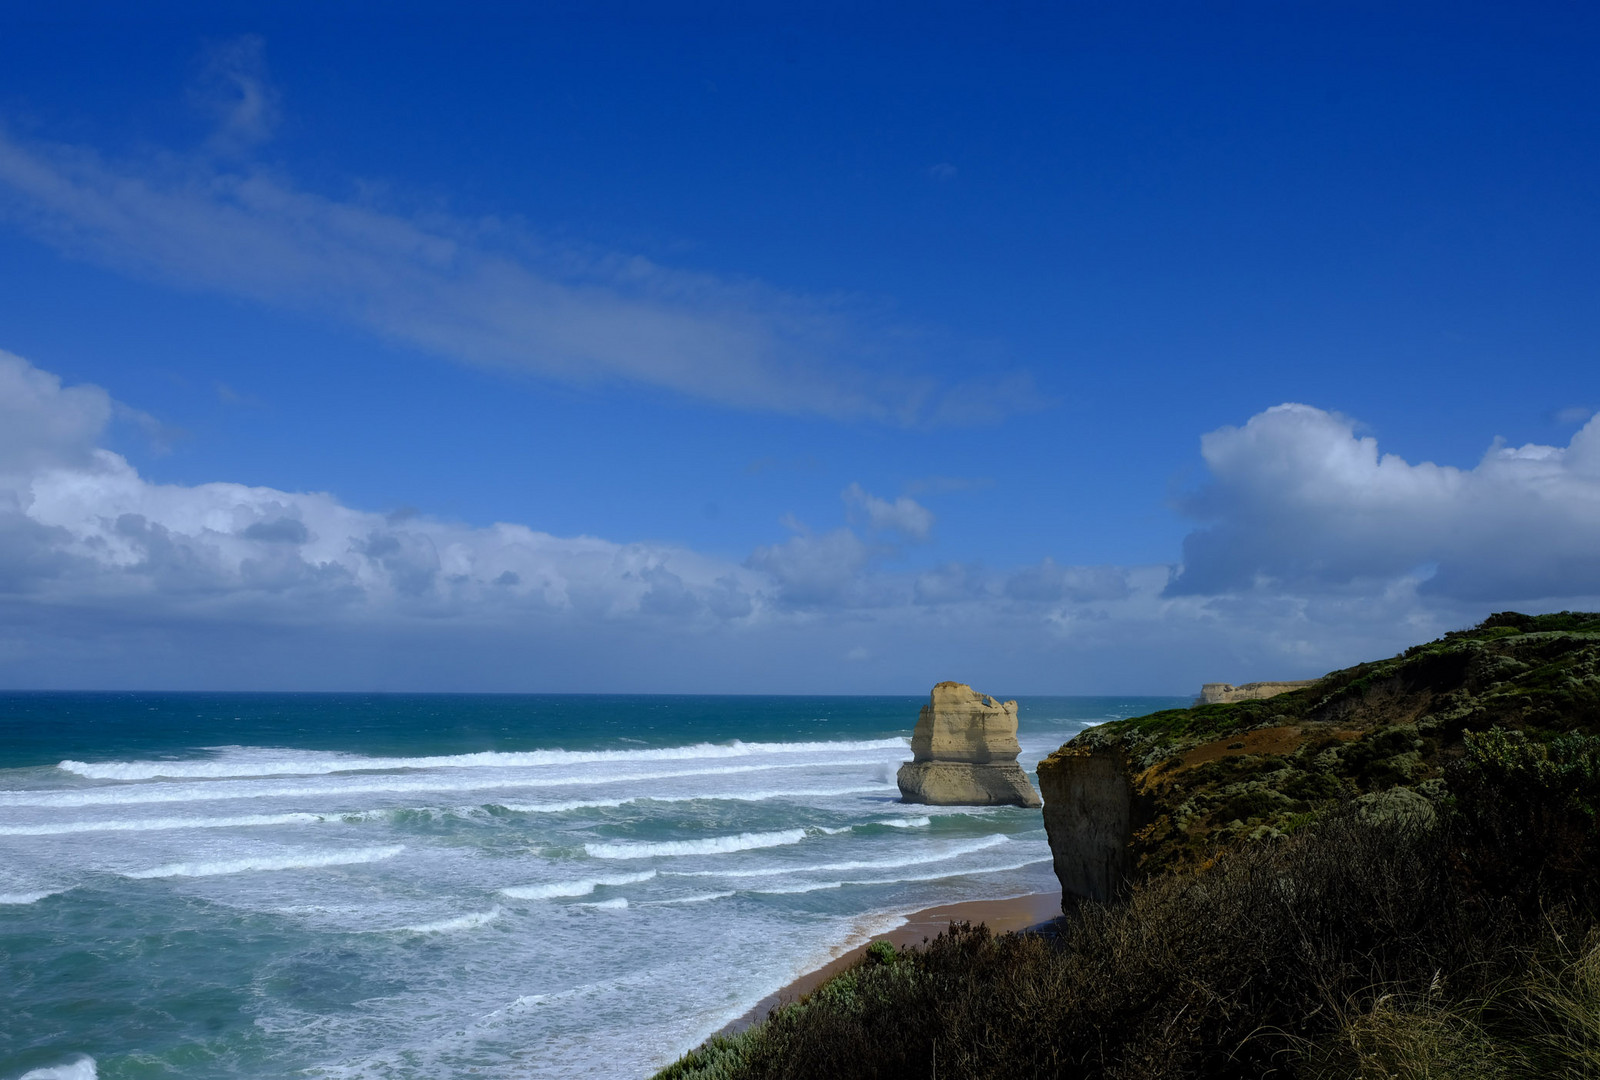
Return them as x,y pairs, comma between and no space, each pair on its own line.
1210,776
1401,877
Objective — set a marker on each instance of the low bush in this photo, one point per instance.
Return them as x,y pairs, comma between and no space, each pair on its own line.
1358,946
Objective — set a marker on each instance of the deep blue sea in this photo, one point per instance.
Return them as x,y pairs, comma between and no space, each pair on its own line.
441,886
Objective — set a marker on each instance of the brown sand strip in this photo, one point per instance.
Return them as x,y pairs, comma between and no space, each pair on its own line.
1001,916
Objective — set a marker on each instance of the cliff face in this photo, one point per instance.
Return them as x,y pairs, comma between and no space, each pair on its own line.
964,752
1221,693
1088,814
1173,787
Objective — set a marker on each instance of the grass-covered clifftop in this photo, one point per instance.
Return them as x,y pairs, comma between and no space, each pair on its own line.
1383,732
1394,873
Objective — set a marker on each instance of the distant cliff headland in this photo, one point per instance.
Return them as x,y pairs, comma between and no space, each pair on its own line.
1391,871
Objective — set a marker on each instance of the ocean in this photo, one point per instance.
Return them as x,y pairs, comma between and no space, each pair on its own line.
442,886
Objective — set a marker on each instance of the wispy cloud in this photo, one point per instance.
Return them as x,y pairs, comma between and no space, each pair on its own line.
474,291
904,515
235,91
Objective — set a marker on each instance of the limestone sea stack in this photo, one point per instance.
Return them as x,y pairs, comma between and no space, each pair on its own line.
964,752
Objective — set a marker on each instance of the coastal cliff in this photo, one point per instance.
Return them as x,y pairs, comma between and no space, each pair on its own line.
1392,872
1175,787
1221,693
964,752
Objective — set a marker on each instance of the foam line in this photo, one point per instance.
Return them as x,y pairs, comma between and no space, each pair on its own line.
309,860
698,898
343,787
58,828
460,922
583,887
301,763
711,845
609,905
26,897
818,886
901,823
951,851
81,1069
754,796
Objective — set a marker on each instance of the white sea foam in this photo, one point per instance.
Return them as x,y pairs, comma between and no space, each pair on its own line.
697,898
343,787
940,854
59,828
817,886
81,1069
609,905
903,822
583,887
752,796
711,845
460,922
239,762
309,860
26,897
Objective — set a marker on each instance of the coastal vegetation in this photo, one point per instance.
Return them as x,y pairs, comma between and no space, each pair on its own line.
1394,872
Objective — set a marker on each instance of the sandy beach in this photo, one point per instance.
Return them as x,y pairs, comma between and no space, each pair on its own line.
1001,916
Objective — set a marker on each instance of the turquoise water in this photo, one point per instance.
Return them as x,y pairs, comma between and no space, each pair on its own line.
271,885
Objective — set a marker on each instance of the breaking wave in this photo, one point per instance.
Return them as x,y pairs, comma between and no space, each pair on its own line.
302,861
950,851
246,789
460,922
235,762
711,845
583,887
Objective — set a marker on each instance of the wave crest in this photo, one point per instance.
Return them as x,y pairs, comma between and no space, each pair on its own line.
253,762
309,860
711,845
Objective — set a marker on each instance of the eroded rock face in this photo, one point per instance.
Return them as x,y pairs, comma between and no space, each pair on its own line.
1088,815
964,752
1221,693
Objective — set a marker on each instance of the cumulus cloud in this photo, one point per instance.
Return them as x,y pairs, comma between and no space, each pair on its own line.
474,291
1318,552
904,515
43,423
79,525
817,571
1300,501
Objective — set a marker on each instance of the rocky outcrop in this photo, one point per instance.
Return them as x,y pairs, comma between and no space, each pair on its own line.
1221,693
964,752
1089,817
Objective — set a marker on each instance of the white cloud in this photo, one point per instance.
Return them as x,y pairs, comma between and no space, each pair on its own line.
234,89
42,423
904,515
83,527
1299,502
108,579
818,571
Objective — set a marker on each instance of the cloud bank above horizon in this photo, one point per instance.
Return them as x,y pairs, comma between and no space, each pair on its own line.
1311,547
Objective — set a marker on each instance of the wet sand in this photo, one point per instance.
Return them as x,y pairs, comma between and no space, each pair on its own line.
1017,913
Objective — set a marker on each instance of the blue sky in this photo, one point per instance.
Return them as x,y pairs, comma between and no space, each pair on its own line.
808,349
